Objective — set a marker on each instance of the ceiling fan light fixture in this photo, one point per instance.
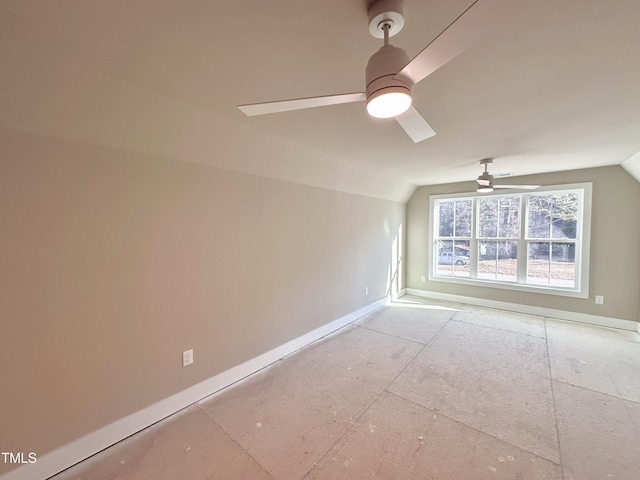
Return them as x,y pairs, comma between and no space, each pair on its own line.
485,180
388,95
389,102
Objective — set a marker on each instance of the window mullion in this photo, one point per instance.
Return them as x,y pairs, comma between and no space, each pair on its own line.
473,245
529,237
473,257
523,249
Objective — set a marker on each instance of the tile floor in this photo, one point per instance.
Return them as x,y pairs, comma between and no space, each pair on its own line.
417,390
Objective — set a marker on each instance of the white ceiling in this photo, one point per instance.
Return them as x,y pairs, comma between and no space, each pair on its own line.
556,87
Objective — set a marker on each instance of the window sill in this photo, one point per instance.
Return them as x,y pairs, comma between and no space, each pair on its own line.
539,289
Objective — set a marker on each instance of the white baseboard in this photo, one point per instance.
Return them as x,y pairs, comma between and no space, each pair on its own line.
396,295
598,320
64,457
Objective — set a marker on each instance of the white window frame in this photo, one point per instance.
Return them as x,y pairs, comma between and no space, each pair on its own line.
582,241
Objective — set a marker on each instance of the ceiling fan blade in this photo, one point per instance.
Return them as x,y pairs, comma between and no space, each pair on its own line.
519,187
473,24
300,103
483,182
416,127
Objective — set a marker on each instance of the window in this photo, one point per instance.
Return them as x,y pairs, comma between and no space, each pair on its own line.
454,237
535,240
498,235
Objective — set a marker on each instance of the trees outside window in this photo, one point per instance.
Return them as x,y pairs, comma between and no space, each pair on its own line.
551,239
454,236
529,239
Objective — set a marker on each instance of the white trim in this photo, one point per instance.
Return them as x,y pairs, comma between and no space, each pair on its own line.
598,320
64,457
632,165
521,287
581,289
396,295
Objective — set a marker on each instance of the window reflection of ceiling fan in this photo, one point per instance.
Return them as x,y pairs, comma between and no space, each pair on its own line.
389,73
485,181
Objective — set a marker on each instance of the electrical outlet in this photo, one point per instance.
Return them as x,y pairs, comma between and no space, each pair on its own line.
600,299
187,358
423,279
366,290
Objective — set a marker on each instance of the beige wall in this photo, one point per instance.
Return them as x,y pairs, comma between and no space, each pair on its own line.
615,256
113,263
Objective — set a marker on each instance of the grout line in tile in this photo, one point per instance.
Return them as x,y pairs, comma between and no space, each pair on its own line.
473,307
236,442
475,428
366,409
390,334
598,391
553,398
496,328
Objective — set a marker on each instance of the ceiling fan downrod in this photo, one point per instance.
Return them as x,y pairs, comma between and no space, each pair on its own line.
386,26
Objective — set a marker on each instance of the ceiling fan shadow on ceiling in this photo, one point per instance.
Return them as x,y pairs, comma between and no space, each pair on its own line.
390,75
485,180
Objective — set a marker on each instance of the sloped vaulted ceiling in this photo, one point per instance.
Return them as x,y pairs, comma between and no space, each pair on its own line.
555,88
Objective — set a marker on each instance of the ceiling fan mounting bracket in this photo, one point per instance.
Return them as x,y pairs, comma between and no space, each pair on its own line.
486,161
385,12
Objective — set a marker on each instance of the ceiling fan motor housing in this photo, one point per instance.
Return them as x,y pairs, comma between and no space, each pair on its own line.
381,72
485,179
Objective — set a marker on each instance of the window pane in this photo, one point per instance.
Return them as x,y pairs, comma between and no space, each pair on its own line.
538,263
552,216
453,258
508,217
445,246
445,215
539,216
499,217
508,261
563,265
444,254
463,213
565,215
498,260
488,217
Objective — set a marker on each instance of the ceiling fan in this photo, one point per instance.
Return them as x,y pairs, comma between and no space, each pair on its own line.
485,180
389,73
